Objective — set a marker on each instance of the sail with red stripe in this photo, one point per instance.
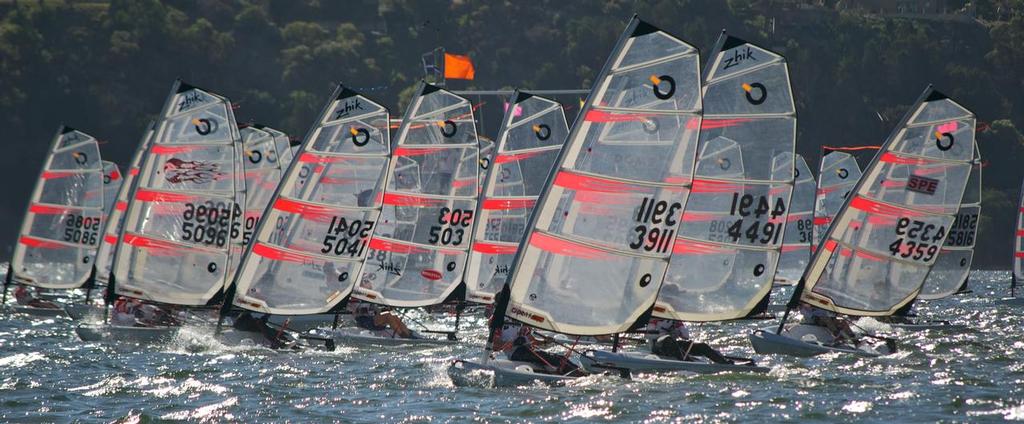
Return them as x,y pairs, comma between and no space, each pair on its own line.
533,131
62,226
112,231
313,239
887,237
175,244
949,274
743,182
838,173
421,242
796,241
112,180
597,247
1018,241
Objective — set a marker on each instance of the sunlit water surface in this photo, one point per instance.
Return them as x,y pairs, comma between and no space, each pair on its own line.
47,374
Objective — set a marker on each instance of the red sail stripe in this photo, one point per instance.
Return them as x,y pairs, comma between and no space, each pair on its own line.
415,151
495,249
47,210
797,216
154,246
515,157
110,239
466,182
1020,232
690,247
392,199
49,175
133,172
595,115
121,205
114,176
792,247
399,247
144,195
822,220
710,124
507,204
949,127
315,158
708,186
566,248
603,198
274,253
701,216
871,206
307,210
889,157
163,149
1018,254
40,243
589,183
827,190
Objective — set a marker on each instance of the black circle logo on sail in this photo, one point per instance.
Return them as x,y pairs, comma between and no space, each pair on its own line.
659,82
650,125
342,277
645,280
85,259
80,158
304,171
843,173
106,179
533,296
448,128
796,172
212,267
724,164
360,137
485,163
451,266
758,270
255,156
963,262
944,141
542,131
761,96
204,126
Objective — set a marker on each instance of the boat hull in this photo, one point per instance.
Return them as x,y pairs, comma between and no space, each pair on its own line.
79,311
803,341
116,333
357,337
36,312
500,373
595,361
1012,301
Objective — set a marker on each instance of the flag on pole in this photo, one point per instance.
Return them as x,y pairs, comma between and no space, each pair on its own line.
457,66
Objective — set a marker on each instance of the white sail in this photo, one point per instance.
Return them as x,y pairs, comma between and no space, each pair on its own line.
796,241
597,246
1018,241
532,134
951,269
314,236
176,239
61,229
112,180
112,229
728,246
419,247
837,175
887,236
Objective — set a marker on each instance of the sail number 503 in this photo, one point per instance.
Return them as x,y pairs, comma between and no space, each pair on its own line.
446,233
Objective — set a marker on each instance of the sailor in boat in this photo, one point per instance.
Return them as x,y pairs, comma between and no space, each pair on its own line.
672,339
24,297
517,342
134,313
276,338
369,316
838,327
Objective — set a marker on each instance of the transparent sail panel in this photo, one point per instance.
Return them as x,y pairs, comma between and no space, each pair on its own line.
889,235
421,241
177,237
528,146
597,250
838,175
62,227
733,226
796,241
311,243
112,231
950,272
1018,240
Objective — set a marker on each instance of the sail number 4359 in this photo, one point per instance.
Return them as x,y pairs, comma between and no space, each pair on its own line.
919,240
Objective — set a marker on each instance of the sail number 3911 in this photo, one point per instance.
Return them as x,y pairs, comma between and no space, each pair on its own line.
649,236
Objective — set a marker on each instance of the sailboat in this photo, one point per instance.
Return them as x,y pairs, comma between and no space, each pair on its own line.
532,134
313,238
886,237
725,256
1017,273
796,240
176,241
60,233
419,247
838,173
597,246
950,273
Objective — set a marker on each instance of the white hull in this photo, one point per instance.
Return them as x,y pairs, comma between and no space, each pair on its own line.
116,333
356,336
303,323
928,325
500,373
805,341
595,361
79,311
36,312
1012,301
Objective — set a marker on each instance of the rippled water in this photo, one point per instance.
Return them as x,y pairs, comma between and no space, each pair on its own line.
47,374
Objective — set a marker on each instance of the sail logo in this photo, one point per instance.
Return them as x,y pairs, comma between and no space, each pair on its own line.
346,108
501,270
738,57
179,171
923,185
190,100
390,268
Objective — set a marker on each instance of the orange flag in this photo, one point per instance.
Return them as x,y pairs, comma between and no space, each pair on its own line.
457,66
